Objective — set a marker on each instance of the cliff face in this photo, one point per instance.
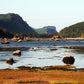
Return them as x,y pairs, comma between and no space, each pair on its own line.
14,23
51,30
47,30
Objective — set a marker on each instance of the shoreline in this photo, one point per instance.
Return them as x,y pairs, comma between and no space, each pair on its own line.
44,39
58,67
45,68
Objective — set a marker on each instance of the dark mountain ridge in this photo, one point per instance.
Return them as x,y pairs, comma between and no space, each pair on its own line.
5,33
14,23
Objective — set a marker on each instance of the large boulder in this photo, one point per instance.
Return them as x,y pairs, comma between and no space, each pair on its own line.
10,61
69,59
17,52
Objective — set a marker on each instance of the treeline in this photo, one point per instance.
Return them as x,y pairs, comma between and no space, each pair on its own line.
76,30
5,34
36,35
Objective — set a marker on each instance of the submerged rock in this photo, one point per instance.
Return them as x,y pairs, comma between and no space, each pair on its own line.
53,49
69,59
17,52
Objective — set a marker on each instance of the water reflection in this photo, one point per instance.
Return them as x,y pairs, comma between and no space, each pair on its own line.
10,63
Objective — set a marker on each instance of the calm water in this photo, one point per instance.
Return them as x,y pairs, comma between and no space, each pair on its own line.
42,54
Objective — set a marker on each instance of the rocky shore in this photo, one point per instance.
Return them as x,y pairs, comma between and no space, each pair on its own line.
61,67
43,39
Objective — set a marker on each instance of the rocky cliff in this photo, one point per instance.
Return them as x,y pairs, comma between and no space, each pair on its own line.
47,30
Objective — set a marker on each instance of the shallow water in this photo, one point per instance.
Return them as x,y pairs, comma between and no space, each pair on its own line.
42,53
43,43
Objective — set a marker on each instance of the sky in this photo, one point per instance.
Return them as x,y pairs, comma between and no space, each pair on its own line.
40,13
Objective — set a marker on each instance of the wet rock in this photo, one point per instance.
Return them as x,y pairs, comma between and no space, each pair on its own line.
10,60
17,52
19,41
46,68
69,59
28,68
53,49
54,45
5,42
35,49
32,48
71,47
62,67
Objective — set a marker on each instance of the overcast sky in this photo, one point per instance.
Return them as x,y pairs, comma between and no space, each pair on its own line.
40,13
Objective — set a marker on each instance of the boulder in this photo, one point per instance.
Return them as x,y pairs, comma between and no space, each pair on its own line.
69,59
19,41
10,60
5,42
17,52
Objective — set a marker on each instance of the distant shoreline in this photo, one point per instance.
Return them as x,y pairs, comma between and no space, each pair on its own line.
78,38
45,39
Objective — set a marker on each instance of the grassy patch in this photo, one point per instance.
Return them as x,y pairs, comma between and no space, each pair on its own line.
64,82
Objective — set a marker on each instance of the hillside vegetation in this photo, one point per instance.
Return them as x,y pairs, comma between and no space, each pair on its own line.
76,30
14,23
5,34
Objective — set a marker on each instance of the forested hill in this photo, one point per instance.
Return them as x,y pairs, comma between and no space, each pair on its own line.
5,34
76,30
14,23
